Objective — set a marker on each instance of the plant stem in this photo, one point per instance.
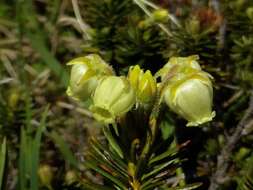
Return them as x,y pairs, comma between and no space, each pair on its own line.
151,134
219,176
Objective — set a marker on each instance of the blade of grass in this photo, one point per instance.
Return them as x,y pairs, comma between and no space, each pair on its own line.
3,157
28,158
28,112
36,150
64,149
22,162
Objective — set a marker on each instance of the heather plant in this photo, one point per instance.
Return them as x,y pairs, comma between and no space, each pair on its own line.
129,110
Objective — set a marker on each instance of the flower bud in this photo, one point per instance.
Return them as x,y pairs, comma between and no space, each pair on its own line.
71,177
147,88
85,73
134,74
191,98
45,174
184,65
131,169
14,98
249,13
144,84
113,97
193,26
160,15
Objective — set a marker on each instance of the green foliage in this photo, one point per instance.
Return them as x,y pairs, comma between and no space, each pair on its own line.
32,29
112,13
29,152
121,37
107,162
64,149
246,182
242,54
202,43
3,163
239,26
130,161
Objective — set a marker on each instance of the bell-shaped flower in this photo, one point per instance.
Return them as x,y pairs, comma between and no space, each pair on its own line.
144,84
191,98
85,74
113,97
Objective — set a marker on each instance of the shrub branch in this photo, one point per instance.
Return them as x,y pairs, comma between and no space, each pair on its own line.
223,160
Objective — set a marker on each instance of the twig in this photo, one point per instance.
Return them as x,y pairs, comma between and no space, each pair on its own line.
69,21
219,177
234,97
8,66
222,30
71,107
5,80
83,25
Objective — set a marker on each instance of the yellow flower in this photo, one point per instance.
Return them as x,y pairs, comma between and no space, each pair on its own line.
191,98
134,75
85,74
144,84
147,88
113,97
189,91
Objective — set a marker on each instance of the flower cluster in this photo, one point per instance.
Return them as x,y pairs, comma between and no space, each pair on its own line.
188,92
